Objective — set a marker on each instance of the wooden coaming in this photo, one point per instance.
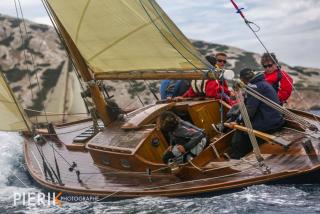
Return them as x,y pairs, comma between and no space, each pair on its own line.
146,116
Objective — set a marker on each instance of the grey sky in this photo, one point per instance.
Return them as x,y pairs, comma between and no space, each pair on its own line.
290,28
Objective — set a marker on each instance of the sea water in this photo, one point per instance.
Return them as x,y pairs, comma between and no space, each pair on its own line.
254,199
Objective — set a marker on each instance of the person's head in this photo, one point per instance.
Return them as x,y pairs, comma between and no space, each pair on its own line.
269,62
221,59
212,60
246,75
168,121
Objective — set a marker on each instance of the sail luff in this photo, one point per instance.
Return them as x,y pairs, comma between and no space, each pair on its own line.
23,123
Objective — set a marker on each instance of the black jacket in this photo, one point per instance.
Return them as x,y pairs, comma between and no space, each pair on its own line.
263,117
186,135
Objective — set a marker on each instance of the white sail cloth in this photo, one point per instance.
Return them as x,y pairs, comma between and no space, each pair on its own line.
127,36
11,114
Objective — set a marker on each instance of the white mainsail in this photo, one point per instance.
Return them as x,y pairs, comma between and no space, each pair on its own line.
64,103
127,38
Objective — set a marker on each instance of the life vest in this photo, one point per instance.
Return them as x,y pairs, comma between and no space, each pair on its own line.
199,87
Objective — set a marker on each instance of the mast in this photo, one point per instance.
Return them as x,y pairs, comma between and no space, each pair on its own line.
83,69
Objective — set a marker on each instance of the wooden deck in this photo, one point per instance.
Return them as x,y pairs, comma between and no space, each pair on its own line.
104,181
207,173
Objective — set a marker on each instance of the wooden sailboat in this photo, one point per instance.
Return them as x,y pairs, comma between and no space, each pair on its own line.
121,156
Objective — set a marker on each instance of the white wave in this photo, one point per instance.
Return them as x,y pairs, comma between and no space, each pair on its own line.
10,163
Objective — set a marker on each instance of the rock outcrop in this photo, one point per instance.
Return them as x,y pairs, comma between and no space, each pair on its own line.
34,61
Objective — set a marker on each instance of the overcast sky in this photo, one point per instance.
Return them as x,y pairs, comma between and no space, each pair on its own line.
290,28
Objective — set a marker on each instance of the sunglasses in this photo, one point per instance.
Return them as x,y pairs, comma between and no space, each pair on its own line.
221,60
268,66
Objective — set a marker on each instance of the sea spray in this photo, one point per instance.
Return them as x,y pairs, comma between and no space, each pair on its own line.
13,179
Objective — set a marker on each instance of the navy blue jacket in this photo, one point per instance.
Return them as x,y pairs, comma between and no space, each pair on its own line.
263,117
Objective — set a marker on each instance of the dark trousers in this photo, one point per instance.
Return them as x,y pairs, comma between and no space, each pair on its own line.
241,145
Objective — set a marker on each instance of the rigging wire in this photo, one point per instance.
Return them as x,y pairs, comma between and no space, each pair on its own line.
46,6
53,113
210,67
151,90
136,93
152,20
248,124
25,56
33,62
278,107
249,24
49,12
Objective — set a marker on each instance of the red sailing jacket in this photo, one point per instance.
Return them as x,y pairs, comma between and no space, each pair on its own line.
212,89
282,83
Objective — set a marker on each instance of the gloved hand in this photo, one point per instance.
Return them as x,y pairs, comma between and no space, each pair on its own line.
234,112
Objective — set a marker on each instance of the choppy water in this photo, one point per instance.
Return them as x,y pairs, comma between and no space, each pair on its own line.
255,199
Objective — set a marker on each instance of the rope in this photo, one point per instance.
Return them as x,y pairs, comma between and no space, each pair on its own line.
32,59
25,56
52,113
282,110
248,124
278,107
47,166
249,23
68,131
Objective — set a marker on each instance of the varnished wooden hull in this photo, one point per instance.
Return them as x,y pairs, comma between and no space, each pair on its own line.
213,174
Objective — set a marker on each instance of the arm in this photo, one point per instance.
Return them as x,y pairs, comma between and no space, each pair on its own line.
189,93
195,139
212,89
285,87
181,87
252,105
226,88
191,132
163,89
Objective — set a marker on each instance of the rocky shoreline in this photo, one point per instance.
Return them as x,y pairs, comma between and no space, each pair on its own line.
304,99
41,56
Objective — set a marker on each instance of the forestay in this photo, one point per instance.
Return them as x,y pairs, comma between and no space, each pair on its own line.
133,37
11,114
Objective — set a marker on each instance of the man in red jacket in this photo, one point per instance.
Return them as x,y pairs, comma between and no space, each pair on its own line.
211,88
279,79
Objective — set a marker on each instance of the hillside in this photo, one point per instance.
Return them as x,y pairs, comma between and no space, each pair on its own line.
41,58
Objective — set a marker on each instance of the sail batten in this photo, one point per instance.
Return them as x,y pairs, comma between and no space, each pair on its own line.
126,35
